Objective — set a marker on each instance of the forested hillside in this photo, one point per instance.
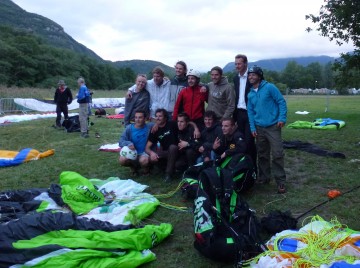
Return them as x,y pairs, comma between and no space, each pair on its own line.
52,33
27,60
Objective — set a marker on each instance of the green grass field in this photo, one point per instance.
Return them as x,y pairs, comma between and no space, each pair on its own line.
309,176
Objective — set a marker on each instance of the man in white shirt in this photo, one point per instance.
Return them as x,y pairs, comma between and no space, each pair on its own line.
242,88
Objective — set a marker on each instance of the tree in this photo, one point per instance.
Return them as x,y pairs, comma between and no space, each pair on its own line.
339,20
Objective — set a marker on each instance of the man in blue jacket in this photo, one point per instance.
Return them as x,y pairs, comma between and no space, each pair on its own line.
83,98
267,115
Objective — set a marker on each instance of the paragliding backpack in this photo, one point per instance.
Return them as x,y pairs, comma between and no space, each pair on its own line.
72,124
226,229
100,111
240,165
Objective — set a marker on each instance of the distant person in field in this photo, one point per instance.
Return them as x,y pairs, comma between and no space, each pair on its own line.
139,100
191,100
267,116
83,98
242,88
221,95
62,98
159,89
135,137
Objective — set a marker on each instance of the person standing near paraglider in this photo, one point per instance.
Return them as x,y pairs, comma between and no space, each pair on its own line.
83,98
62,98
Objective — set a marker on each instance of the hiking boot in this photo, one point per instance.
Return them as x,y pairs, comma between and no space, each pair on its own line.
146,171
84,135
281,188
263,181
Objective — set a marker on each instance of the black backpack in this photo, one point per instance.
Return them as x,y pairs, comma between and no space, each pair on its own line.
226,229
240,165
72,124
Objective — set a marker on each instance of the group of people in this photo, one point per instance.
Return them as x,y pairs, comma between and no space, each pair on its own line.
243,117
63,97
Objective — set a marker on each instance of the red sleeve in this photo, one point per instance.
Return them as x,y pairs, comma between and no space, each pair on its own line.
177,104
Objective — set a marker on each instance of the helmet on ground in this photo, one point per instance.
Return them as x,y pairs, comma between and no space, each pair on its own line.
193,72
128,153
256,70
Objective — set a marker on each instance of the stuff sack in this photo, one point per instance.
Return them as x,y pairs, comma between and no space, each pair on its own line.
240,165
100,112
225,228
72,124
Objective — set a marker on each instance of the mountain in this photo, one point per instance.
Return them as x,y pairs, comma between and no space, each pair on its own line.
280,64
14,16
144,66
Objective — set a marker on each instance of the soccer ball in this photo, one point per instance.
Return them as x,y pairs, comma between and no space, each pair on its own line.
127,153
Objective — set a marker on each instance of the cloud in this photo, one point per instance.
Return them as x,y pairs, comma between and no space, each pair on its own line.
202,33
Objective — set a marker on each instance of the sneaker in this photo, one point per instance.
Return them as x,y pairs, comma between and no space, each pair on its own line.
134,171
281,189
84,135
97,135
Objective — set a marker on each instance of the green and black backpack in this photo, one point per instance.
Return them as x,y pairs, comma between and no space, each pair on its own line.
226,229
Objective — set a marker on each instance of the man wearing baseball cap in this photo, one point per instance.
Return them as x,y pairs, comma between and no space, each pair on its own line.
267,115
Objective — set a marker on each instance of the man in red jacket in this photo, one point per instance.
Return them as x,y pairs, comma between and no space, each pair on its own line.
191,100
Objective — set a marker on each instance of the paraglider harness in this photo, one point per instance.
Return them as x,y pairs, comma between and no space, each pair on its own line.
226,229
240,165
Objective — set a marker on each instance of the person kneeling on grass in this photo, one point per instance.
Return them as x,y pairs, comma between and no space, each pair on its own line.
135,137
165,139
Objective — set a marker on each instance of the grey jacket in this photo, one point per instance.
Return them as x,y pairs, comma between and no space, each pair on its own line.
139,101
221,98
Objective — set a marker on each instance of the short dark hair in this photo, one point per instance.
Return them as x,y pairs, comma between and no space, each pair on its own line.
243,57
185,115
183,64
228,119
164,112
158,70
218,69
140,111
211,114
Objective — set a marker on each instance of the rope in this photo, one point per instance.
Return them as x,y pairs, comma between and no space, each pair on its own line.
320,246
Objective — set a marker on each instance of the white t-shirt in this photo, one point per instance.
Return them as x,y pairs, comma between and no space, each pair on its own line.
242,88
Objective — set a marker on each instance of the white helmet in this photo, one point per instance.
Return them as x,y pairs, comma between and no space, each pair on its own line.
127,153
193,72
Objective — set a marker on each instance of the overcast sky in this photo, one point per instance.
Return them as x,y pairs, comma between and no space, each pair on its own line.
203,33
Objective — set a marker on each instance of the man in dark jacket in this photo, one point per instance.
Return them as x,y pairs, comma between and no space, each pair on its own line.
140,100
211,131
187,144
62,98
231,141
242,88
